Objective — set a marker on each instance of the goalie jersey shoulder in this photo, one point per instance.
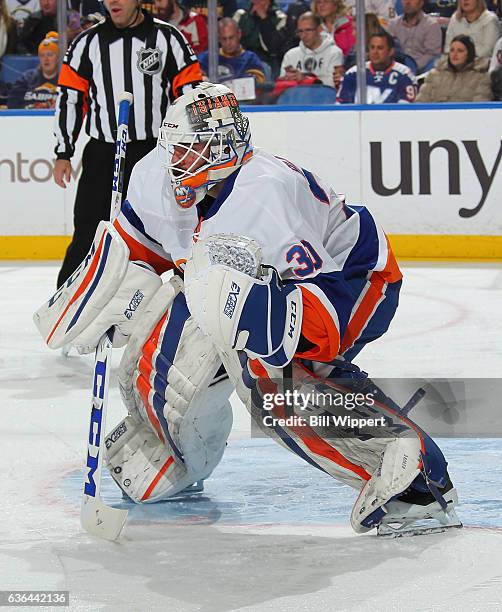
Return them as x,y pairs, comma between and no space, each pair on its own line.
304,228
154,228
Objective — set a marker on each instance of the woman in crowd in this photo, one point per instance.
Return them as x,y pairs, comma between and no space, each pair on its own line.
336,21
8,35
473,19
459,76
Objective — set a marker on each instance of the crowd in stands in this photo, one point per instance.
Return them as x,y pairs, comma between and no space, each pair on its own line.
417,50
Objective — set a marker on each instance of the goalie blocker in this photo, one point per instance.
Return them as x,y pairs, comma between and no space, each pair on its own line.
106,290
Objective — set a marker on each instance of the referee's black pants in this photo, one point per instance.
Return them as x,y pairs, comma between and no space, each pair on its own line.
94,192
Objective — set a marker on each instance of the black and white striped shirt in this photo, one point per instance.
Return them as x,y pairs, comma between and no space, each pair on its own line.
153,61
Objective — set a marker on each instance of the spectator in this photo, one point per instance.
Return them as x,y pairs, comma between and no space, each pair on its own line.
37,88
496,82
419,35
386,79
91,19
263,28
443,8
385,10
372,26
74,25
473,19
233,61
36,27
337,22
295,9
20,10
193,25
496,60
317,55
8,34
459,76
224,8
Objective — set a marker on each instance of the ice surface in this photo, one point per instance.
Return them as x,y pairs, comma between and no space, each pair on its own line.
270,533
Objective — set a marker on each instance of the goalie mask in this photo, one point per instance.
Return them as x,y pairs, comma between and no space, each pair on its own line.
203,139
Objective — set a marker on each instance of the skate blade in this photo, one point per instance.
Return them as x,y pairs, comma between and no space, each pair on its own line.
388,531
191,490
416,520
399,527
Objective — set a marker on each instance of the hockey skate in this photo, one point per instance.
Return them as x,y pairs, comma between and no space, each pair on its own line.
196,487
415,513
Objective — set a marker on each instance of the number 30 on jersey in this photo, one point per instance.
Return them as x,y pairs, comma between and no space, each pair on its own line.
306,258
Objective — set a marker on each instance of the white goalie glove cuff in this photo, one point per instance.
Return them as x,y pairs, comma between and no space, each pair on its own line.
106,290
239,312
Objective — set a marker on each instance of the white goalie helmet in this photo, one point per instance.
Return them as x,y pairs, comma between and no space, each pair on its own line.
203,139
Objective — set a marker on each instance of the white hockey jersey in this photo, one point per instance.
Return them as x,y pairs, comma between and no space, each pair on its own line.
305,230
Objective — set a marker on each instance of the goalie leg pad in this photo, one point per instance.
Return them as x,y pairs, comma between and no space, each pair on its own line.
165,380
381,467
106,290
144,468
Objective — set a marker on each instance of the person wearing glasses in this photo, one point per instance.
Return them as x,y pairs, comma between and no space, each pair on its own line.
317,54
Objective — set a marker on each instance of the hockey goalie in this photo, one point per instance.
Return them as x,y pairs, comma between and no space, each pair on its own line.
278,284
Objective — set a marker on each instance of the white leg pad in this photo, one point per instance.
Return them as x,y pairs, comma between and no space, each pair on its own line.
146,469
399,468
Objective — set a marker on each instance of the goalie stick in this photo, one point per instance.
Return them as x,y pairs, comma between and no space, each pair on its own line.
95,516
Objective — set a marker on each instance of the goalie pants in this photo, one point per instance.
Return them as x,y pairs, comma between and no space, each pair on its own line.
92,202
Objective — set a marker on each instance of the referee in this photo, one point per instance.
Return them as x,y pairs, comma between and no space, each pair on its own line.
128,51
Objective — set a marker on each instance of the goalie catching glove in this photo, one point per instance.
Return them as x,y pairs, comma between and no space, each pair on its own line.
106,290
241,304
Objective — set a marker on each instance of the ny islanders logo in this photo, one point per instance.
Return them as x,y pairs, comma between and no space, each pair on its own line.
184,196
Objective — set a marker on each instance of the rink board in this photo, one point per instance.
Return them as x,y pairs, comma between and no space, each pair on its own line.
431,178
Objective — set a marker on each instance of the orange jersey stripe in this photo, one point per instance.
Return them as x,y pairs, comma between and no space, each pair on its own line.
70,78
391,273
189,74
155,481
140,252
319,328
364,312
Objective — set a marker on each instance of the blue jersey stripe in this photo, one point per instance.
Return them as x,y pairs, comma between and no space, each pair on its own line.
92,288
364,254
129,213
228,185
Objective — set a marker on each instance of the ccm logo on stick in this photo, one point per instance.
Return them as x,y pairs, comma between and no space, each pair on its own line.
95,427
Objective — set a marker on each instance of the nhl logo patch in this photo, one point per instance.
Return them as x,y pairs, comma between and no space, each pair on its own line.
149,60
